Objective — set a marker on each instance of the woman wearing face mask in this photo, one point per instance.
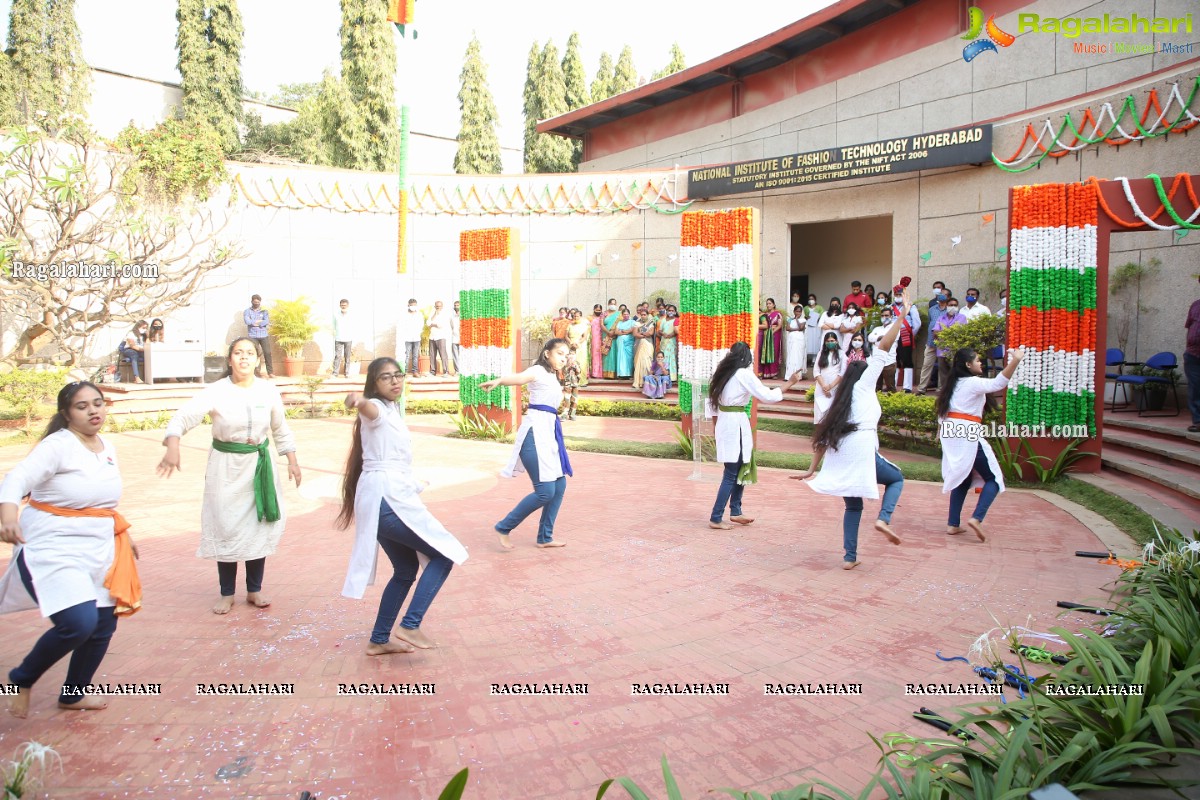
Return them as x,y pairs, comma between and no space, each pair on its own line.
828,371
733,384
961,405
73,558
643,353
852,323
380,495
597,342
622,333
812,331
795,346
539,449
578,335
609,344
668,341
831,322
158,332
882,300
856,351
847,441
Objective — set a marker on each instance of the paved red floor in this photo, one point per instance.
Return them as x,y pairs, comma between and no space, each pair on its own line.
644,593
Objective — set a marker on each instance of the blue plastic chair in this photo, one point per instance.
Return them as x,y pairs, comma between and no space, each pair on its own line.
1114,357
1161,361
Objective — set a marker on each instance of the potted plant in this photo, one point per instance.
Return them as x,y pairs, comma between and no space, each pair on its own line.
423,355
293,327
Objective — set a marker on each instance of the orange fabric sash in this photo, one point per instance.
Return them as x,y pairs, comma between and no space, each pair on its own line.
960,415
122,579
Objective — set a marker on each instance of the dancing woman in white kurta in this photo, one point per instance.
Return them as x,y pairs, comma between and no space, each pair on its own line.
242,517
848,441
381,496
733,384
967,458
539,448
66,547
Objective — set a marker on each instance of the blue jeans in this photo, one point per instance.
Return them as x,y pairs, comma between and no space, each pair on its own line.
135,359
958,495
730,493
401,546
546,495
893,483
84,629
1191,368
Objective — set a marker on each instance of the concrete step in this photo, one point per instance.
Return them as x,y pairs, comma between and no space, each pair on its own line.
1181,478
1165,506
1172,428
1171,449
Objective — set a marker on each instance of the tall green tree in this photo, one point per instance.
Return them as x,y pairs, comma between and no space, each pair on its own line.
550,153
530,102
625,75
209,41
478,145
677,64
577,95
602,85
369,75
46,76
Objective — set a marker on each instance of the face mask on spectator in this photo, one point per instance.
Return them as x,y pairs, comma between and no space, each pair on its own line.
952,310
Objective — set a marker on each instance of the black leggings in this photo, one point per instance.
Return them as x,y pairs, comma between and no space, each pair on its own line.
227,572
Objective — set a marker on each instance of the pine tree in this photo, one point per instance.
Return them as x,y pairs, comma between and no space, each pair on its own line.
369,75
530,107
550,153
46,75
577,91
478,145
677,63
209,40
8,93
602,86
625,76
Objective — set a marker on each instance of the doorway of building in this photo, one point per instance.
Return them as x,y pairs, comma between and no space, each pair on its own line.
827,256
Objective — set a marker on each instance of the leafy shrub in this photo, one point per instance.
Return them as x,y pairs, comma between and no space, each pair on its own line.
708,445
432,407
173,161
981,334
27,392
471,424
627,408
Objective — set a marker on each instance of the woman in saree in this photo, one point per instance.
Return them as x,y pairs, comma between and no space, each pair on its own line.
668,341
578,335
622,334
770,340
609,344
643,353
597,343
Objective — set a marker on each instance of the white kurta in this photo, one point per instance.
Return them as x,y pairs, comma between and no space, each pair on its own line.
821,403
733,432
813,332
544,391
67,557
796,347
958,452
849,471
387,475
846,329
229,526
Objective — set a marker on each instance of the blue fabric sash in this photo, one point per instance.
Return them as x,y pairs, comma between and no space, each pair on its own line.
563,461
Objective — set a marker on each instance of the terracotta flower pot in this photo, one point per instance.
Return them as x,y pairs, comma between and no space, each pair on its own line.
293,367
423,365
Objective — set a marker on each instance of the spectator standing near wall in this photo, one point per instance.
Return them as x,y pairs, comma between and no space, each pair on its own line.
439,336
257,320
455,333
343,338
411,326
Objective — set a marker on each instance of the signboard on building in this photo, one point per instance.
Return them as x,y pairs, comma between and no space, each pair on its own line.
969,145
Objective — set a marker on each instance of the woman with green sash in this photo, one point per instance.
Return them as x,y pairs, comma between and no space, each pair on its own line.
733,384
242,517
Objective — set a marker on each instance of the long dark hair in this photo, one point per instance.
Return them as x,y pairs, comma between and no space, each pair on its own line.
354,461
823,359
958,371
162,328
229,355
740,356
547,347
836,424
66,396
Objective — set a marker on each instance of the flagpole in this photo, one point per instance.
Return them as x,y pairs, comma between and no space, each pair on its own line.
400,12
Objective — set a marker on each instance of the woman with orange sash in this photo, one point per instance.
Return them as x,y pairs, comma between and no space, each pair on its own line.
74,558
967,458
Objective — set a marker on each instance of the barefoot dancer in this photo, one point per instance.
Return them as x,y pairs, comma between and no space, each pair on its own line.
74,556
380,495
961,404
733,384
242,517
539,448
849,443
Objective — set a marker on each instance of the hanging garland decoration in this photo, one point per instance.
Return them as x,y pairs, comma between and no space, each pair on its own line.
716,292
1115,135
1167,198
485,310
1052,301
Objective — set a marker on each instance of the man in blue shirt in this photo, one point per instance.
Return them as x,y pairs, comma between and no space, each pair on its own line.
257,319
937,307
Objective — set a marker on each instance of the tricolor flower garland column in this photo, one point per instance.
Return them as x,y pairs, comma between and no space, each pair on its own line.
485,308
717,292
1052,302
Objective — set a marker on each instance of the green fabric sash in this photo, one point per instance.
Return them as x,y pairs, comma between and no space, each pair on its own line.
749,471
265,500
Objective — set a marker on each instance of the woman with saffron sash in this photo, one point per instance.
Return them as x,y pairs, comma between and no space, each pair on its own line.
73,558
380,495
242,517
968,460
770,340
539,448
732,385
